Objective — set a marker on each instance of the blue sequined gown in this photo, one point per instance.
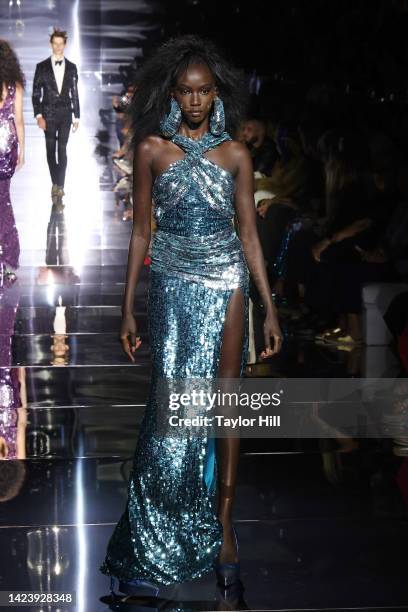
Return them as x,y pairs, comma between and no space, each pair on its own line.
169,532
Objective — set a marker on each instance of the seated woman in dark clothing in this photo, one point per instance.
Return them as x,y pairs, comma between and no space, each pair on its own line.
289,183
341,260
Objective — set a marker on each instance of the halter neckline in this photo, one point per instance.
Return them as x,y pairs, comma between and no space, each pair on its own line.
206,142
193,139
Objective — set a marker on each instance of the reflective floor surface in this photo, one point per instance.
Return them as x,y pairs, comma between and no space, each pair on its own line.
320,527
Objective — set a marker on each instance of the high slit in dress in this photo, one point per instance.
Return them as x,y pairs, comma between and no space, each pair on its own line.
169,531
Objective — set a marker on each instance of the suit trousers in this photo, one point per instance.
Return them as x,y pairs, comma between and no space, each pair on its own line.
56,139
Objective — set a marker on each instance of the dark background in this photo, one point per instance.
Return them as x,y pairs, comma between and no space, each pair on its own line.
323,62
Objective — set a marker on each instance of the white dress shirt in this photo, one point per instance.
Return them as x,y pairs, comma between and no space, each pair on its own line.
59,71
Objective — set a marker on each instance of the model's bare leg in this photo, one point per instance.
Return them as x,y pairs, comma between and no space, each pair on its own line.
228,448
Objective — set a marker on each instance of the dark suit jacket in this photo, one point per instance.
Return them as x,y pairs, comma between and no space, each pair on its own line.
46,98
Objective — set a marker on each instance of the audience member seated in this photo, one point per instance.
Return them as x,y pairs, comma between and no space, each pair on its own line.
124,186
353,248
123,156
289,174
286,185
120,104
262,148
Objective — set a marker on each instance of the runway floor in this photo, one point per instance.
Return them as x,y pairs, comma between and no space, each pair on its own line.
318,529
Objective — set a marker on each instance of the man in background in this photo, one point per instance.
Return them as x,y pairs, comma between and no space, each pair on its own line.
263,149
56,107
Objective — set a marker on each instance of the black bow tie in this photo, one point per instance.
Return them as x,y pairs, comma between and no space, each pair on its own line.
58,62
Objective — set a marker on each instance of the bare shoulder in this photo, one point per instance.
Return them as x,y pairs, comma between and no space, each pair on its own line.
238,155
151,145
148,147
237,150
153,148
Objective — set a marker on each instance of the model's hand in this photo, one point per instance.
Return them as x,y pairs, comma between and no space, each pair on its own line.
128,330
271,330
20,160
42,124
318,249
75,126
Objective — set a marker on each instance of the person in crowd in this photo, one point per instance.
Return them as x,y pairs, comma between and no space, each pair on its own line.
289,174
120,105
123,157
286,186
124,185
262,148
349,254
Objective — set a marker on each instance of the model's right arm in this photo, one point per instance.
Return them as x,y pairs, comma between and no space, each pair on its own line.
37,92
139,241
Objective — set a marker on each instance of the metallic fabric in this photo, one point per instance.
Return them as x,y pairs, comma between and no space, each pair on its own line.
10,399
9,243
169,532
46,98
171,122
221,252
217,120
8,136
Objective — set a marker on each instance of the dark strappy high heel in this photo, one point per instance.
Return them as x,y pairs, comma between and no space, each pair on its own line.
231,598
228,574
135,588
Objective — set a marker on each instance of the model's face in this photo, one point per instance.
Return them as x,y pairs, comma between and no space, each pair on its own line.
58,46
195,91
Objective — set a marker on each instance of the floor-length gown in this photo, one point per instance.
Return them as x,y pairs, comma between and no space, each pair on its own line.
169,532
9,243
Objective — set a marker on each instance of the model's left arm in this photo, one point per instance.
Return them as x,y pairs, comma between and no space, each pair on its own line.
246,217
75,96
19,121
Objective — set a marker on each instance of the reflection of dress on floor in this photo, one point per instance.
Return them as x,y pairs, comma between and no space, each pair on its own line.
169,531
9,243
10,399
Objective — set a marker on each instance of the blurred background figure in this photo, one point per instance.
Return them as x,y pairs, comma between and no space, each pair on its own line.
262,148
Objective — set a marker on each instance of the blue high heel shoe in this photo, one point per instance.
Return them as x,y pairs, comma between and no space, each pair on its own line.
135,588
228,574
232,596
